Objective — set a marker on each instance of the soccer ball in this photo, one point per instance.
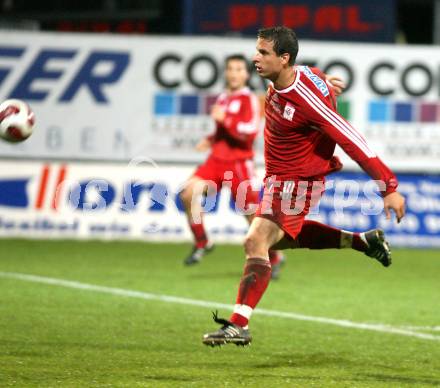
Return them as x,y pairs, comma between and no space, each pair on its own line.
16,121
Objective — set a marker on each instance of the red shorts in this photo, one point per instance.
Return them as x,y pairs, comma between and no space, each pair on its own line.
288,202
239,175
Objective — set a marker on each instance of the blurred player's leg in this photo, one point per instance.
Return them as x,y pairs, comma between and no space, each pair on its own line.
314,235
277,260
191,199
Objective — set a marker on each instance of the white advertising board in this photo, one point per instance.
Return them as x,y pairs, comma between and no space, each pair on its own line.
102,97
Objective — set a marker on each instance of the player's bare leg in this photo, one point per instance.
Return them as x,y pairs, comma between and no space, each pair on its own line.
276,257
261,236
191,196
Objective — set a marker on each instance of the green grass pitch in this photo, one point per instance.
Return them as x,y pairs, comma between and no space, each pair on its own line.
52,335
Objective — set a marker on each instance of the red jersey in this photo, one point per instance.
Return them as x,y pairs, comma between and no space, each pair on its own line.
303,128
234,138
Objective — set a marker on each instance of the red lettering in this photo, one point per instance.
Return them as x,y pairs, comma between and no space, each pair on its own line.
331,19
100,27
65,26
242,16
328,19
127,26
269,16
354,24
295,16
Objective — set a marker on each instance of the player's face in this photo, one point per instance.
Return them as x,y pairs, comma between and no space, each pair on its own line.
236,74
266,60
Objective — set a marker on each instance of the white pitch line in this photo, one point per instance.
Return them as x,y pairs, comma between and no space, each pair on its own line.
194,302
421,328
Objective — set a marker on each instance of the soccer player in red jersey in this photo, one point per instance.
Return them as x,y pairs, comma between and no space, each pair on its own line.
301,132
237,117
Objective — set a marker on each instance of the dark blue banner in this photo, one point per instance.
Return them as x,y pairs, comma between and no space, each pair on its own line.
358,20
351,202
30,204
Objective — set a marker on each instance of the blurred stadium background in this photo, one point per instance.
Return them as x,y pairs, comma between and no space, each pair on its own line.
121,91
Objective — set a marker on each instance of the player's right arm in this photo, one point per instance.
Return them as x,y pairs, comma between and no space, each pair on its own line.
205,144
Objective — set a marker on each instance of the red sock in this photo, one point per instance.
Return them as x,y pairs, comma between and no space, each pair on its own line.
274,257
315,235
198,231
253,283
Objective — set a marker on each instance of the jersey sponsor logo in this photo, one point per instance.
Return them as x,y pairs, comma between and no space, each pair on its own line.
320,84
289,111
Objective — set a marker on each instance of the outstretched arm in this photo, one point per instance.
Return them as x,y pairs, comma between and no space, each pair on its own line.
395,202
323,116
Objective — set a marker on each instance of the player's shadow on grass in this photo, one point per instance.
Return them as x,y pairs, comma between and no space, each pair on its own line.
164,378
377,377
320,360
216,275
301,360
73,346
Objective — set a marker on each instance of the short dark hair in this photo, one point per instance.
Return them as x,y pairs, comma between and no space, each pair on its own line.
284,41
238,57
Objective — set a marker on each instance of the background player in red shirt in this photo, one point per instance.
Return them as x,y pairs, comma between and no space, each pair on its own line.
237,117
301,132
236,113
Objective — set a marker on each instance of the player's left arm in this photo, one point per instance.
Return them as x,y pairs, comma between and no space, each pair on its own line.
396,202
321,115
355,145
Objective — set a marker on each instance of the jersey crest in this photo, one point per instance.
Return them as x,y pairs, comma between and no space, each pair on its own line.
289,111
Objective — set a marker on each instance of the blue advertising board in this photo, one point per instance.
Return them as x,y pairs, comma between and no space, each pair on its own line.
41,199
349,203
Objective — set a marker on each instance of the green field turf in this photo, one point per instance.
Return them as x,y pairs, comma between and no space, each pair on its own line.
53,335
